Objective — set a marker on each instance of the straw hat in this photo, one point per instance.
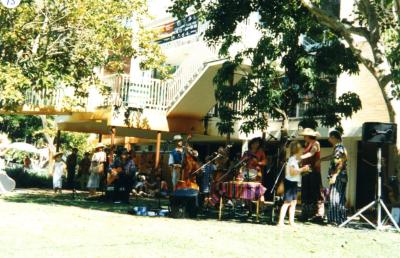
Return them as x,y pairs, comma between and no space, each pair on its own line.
309,132
60,153
100,145
177,138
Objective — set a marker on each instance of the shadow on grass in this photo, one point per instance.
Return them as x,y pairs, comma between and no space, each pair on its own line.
81,200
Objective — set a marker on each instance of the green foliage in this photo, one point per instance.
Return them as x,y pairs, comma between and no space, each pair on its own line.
284,72
50,43
20,128
27,180
70,140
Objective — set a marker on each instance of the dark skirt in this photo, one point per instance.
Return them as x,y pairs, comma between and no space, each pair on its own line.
290,191
311,196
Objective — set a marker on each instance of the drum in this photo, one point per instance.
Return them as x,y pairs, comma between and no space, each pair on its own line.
250,174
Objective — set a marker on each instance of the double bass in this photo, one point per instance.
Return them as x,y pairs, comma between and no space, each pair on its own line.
188,167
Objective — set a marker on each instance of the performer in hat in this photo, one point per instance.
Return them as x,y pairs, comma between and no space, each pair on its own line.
175,159
311,183
59,169
96,168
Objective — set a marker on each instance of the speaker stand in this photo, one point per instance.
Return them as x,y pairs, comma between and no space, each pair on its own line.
378,202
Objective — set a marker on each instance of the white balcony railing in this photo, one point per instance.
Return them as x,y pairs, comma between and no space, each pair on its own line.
157,94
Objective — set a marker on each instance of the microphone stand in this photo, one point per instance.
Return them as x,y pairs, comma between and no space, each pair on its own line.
238,164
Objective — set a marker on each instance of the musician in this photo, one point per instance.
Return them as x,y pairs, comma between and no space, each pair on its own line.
256,160
205,178
311,183
125,169
175,159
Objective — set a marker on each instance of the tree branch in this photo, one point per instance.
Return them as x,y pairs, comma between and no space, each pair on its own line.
344,30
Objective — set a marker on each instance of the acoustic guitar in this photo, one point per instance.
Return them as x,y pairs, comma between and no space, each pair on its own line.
113,175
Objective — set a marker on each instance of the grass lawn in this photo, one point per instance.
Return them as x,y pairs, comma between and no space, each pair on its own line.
36,224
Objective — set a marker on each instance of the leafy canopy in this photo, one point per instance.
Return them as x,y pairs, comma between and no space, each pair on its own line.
49,43
284,71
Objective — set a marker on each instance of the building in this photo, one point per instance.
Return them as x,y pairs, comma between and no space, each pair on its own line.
142,108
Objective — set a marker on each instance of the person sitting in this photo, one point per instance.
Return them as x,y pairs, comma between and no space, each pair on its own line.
124,170
140,187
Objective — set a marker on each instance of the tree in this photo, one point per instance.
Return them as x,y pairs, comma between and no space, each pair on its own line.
45,44
49,43
284,70
23,128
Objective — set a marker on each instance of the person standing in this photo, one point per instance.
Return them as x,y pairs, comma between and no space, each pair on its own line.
337,179
58,171
205,180
72,161
97,167
292,180
83,171
311,183
175,160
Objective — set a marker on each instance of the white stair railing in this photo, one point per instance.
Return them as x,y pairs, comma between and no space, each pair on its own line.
157,94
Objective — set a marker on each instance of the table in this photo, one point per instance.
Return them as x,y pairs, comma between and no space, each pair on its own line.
252,191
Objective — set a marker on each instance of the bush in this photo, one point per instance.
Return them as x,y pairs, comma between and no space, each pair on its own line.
27,180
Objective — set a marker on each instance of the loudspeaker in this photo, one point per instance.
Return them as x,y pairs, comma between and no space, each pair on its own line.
184,203
374,132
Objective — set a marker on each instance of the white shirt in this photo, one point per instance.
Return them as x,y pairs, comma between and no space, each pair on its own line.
294,163
99,157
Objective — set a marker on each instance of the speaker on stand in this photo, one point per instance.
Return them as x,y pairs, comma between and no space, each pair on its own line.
379,134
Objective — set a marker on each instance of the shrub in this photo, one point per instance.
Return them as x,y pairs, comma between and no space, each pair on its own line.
27,180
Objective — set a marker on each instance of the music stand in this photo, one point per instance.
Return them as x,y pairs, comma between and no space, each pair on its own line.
378,202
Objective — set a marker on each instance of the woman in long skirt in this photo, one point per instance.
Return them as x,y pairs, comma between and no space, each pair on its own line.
337,180
311,183
96,169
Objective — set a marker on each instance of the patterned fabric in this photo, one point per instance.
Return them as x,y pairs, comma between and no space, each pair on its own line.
340,157
337,195
241,190
337,200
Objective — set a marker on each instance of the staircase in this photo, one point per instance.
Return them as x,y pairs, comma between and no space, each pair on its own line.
161,95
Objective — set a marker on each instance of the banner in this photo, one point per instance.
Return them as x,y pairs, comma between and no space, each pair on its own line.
177,29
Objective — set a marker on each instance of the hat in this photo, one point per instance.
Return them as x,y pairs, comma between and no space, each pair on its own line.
60,153
309,132
177,138
100,145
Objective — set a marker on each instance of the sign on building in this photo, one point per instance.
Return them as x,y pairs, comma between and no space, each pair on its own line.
177,29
